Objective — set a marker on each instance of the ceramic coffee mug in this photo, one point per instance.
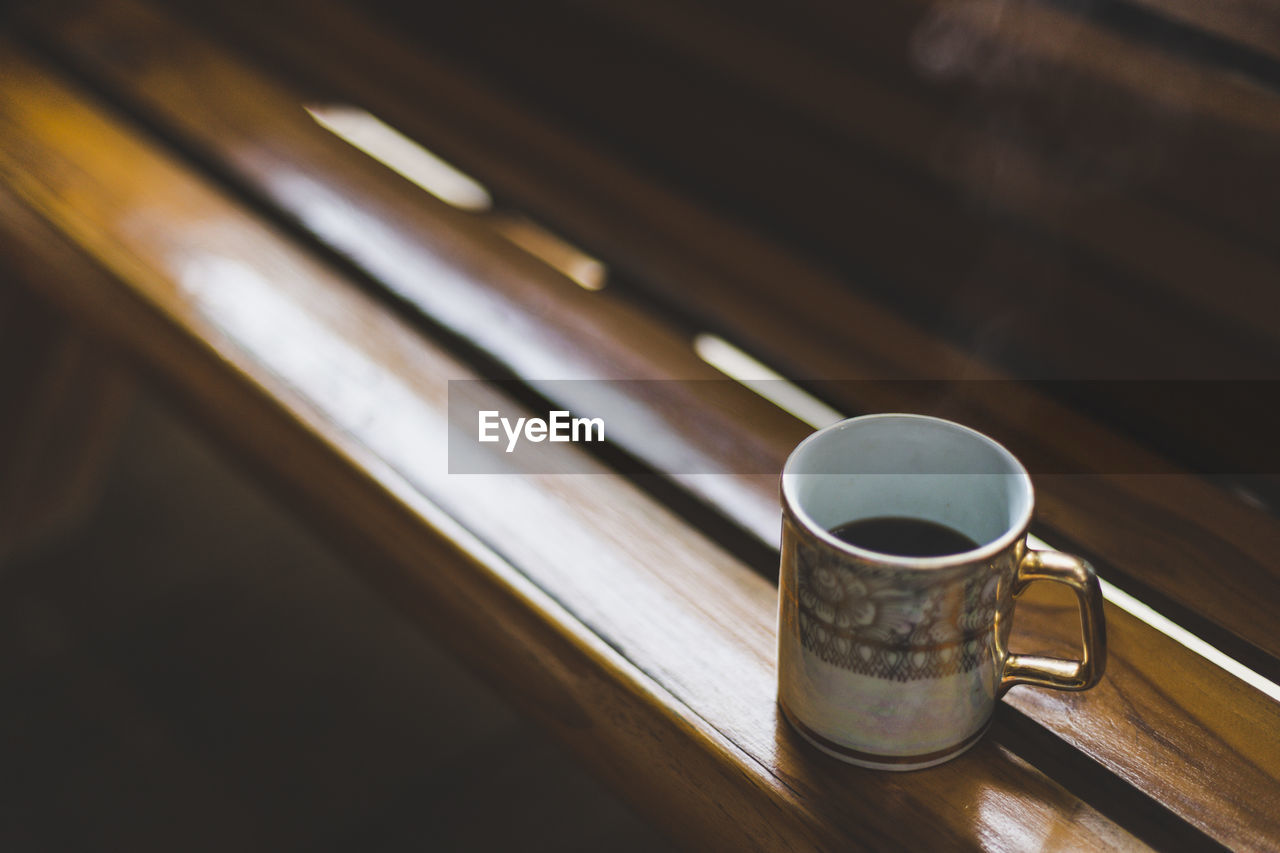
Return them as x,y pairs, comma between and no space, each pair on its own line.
896,662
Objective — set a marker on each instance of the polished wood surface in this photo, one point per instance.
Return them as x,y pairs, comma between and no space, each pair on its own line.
1169,531
961,257
902,237
637,639
526,319
348,404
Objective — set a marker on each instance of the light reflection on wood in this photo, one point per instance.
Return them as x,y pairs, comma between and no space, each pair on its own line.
588,272
417,163
403,155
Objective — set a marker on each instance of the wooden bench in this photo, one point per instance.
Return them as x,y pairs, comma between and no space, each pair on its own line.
162,184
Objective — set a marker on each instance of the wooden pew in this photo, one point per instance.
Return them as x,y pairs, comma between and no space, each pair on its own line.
200,234
1163,531
1058,278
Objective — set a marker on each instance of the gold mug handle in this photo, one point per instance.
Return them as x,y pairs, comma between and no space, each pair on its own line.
1058,673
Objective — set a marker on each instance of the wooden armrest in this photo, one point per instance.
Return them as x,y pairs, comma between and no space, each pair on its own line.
638,640
629,634
1169,533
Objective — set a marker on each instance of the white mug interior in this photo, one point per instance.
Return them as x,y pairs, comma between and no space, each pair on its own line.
911,466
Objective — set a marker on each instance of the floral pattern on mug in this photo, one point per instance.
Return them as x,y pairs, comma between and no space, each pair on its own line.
870,608
898,624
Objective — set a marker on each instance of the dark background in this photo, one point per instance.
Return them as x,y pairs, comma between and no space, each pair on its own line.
192,670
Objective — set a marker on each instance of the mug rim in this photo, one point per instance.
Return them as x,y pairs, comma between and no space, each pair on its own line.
984,552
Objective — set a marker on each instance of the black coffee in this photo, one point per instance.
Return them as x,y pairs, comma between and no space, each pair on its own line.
905,537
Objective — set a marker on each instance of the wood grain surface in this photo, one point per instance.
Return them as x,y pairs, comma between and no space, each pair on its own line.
1170,531
941,225
525,320
632,635
906,238
349,404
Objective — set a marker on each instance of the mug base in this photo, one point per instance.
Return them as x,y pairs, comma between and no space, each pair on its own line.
873,761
